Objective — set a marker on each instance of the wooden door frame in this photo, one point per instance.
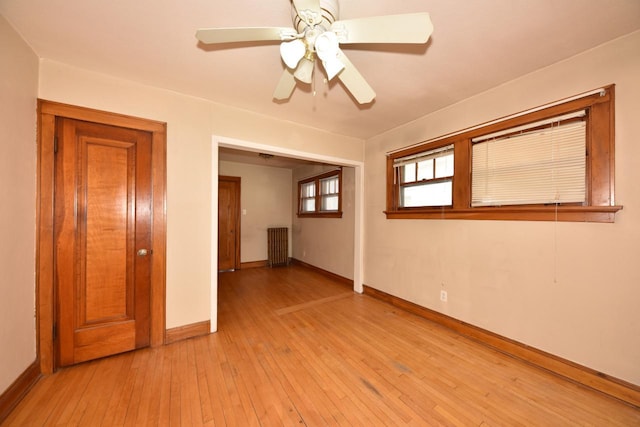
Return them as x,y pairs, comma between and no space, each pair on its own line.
45,292
236,180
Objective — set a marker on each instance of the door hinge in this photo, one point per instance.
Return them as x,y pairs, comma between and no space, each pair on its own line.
55,144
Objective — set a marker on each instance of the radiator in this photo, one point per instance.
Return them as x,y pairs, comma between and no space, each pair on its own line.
278,241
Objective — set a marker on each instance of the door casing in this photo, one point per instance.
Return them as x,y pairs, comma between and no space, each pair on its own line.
45,294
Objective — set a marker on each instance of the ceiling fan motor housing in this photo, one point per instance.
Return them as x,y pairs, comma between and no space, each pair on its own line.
330,12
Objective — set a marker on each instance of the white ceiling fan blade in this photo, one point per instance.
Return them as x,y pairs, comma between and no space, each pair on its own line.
407,28
244,34
285,86
353,80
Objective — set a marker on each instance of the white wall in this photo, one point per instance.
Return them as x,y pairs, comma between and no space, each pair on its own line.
326,243
571,289
266,202
18,91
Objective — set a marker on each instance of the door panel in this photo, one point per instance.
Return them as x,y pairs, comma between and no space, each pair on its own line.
228,223
102,218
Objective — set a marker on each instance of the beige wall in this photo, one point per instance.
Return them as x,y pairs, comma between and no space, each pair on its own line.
191,122
266,202
18,91
571,289
327,243
188,173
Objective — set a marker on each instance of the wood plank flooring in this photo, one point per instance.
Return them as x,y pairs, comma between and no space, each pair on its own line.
296,348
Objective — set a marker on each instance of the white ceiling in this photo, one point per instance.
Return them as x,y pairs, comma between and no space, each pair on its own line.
476,45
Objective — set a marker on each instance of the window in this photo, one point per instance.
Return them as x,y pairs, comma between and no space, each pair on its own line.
425,179
553,163
542,163
320,196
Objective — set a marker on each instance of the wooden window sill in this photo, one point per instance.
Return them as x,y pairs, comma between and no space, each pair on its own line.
514,213
321,215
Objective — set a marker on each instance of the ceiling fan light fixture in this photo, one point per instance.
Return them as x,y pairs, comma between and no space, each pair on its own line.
333,67
304,72
292,52
326,45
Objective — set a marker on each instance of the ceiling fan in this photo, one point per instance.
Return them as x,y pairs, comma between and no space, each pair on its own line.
317,33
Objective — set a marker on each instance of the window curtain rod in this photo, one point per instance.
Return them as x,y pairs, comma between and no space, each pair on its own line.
602,91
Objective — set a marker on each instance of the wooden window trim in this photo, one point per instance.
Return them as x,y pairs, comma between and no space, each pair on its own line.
600,204
318,196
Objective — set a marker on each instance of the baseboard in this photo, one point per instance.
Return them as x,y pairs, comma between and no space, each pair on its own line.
187,331
614,387
253,264
16,391
326,273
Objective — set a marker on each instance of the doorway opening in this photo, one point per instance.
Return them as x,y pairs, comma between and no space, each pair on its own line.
358,169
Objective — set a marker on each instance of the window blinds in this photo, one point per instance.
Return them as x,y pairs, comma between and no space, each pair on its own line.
533,166
425,155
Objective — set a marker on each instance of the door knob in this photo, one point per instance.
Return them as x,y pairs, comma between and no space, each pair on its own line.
142,252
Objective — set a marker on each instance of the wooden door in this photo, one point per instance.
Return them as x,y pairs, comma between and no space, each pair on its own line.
102,232
228,223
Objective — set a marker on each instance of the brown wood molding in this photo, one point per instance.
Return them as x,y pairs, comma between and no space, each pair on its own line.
599,204
325,273
45,297
253,264
614,387
16,391
187,331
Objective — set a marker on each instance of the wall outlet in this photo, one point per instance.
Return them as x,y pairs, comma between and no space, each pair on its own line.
443,296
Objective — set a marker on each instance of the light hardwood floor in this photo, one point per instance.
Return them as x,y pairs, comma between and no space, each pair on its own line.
295,348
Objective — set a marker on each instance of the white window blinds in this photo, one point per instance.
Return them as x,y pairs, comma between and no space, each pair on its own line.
329,189
423,156
530,164
308,197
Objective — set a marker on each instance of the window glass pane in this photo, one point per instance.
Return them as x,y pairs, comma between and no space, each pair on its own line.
329,185
444,166
329,203
308,205
425,169
433,194
308,189
409,172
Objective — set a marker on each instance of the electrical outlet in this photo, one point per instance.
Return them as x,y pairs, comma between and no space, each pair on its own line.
443,296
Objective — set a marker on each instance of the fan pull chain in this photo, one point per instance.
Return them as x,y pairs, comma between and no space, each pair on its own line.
313,82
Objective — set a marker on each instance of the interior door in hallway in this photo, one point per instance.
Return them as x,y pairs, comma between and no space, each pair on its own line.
228,223
102,229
